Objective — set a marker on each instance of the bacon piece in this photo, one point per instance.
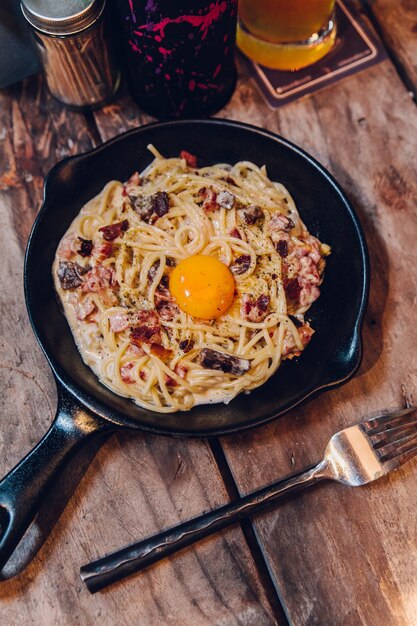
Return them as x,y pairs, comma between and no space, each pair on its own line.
136,350
85,308
226,200
130,186
145,316
210,199
291,266
112,231
99,278
126,373
241,264
135,179
315,245
181,370
163,353
153,271
162,293
309,294
255,310
149,208
311,248
301,250
164,304
213,360
66,248
160,203
146,329
170,382
282,248
144,334
304,287
119,322
306,332
86,247
103,250
143,206
102,280
186,344
290,348
309,271
251,214
292,288
235,233
189,158
167,310
69,274
280,222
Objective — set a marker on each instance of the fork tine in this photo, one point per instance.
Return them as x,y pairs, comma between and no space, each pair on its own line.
388,446
401,459
396,450
377,424
391,435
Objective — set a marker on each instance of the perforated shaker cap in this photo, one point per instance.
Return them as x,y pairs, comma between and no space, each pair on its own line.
61,17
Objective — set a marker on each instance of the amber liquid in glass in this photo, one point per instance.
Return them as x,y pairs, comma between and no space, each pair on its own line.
286,34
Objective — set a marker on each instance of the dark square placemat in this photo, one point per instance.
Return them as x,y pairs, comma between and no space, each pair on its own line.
355,49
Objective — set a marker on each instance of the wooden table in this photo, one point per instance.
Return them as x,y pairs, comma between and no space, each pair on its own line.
334,556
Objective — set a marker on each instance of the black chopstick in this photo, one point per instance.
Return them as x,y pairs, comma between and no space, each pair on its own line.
136,556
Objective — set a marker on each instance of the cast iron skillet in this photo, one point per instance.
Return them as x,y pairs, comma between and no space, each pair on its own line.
86,407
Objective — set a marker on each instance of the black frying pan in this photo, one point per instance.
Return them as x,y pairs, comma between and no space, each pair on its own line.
86,407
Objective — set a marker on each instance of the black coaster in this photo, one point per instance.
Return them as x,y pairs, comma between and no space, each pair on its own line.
355,49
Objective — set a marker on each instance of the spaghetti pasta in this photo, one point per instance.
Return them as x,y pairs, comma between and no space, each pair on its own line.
114,272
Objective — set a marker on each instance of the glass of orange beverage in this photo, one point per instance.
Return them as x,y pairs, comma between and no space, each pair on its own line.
286,34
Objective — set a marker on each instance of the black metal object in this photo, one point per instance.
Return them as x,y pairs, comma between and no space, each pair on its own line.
86,406
137,556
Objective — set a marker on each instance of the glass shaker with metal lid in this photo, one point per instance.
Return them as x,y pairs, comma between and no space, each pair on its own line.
75,46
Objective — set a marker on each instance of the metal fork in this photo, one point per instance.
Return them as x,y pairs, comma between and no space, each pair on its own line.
354,456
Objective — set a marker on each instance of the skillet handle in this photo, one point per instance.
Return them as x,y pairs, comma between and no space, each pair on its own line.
22,490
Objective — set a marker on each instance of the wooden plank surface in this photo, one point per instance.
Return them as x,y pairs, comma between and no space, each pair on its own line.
321,581
397,25
345,556
338,556
135,485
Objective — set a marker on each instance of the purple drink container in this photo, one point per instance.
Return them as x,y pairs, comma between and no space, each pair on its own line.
179,56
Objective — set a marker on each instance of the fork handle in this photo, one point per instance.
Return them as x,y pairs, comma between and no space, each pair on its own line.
116,565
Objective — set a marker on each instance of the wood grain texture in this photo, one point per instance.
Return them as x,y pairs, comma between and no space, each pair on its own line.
397,25
332,551
135,485
30,123
340,556
345,556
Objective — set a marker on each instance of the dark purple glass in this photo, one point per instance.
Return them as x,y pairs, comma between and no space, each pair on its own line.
180,56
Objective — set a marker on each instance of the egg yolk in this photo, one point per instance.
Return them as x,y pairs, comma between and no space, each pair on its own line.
202,286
